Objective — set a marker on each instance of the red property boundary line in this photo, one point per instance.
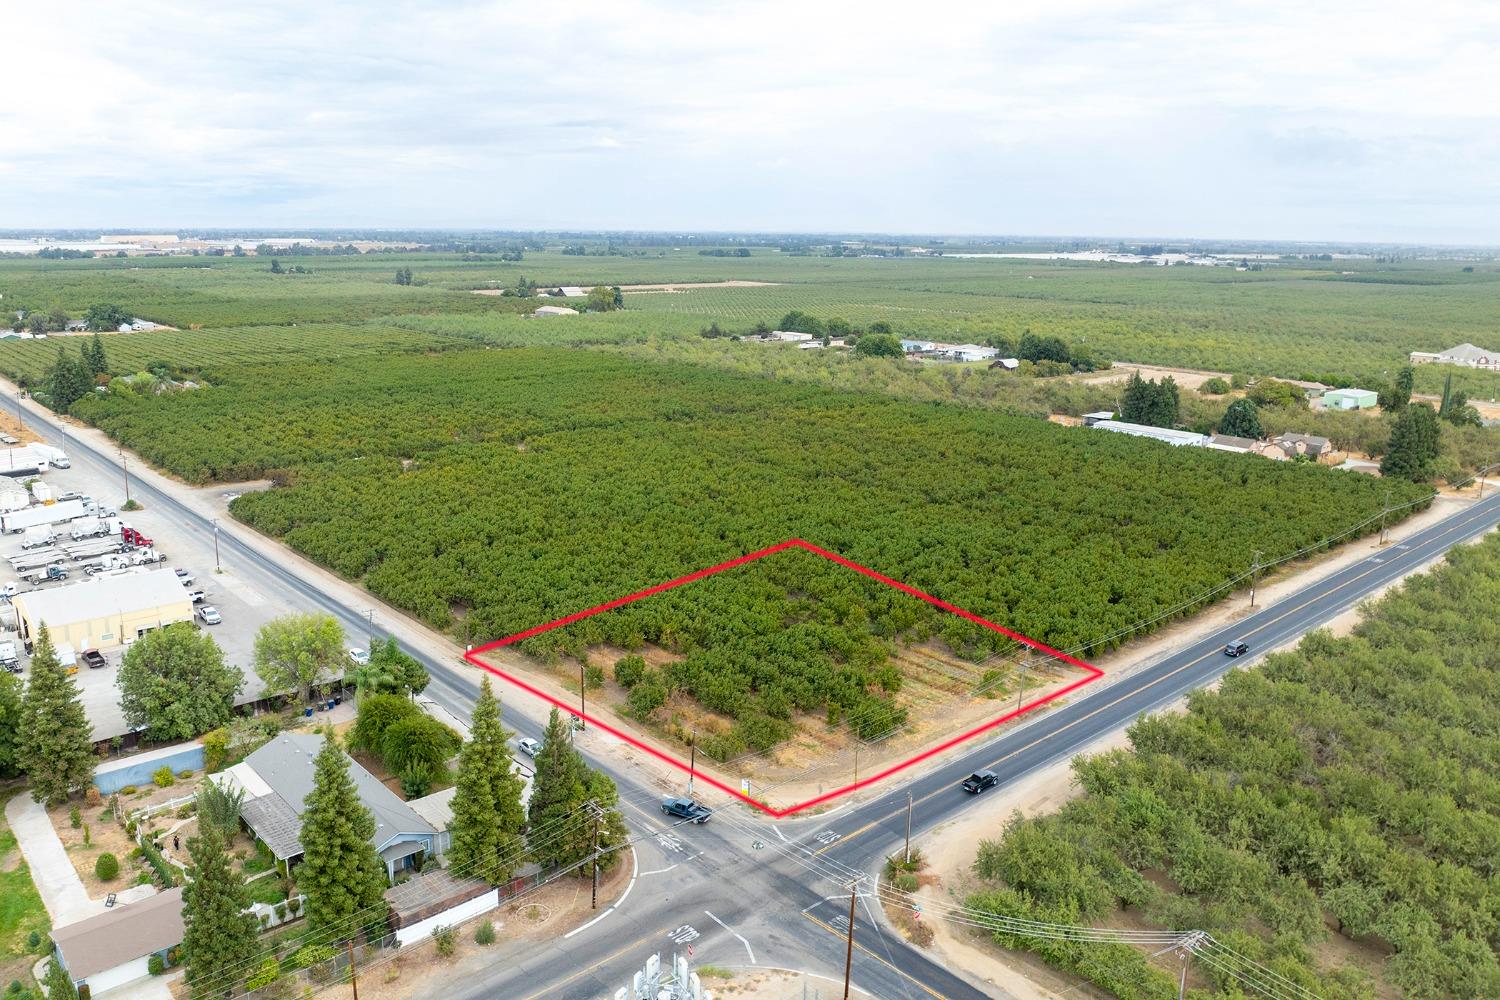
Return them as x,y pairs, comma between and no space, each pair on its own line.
1092,673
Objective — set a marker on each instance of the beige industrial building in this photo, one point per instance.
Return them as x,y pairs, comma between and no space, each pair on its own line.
105,611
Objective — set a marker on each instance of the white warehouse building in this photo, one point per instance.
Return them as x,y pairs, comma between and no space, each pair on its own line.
1166,435
106,610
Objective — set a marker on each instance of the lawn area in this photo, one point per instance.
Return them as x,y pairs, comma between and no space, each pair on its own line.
21,910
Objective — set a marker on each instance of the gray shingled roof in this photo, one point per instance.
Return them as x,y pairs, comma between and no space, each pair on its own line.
276,823
123,934
286,765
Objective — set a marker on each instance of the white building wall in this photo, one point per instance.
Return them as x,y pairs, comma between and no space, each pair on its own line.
119,975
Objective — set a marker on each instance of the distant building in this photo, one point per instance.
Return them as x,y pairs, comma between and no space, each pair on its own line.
554,311
965,352
114,948
1298,445
917,346
808,345
1007,364
1228,442
1350,399
1166,435
105,611
790,336
1090,419
1464,355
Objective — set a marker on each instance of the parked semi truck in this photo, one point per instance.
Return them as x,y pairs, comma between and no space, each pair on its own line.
55,457
94,527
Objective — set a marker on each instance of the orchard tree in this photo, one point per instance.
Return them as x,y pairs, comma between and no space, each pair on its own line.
340,872
879,345
294,652
219,936
488,816
1242,420
174,682
54,748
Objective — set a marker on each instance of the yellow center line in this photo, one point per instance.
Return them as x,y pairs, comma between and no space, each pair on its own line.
904,975
1129,694
638,942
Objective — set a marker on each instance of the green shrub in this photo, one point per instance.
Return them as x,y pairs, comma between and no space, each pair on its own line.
75,817
215,749
311,954
268,973
34,940
185,773
106,867
484,933
629,670
445,941
1214,387
163,777
156,965
127,790
593,676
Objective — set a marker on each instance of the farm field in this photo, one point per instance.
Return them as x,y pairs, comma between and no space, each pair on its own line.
488,491
1298,319
1332,814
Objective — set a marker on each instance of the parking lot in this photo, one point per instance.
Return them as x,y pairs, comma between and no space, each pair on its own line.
244,603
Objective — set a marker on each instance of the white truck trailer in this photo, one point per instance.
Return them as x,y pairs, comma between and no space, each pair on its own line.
54,513
56,457
93,527
23,461
38,536
14,500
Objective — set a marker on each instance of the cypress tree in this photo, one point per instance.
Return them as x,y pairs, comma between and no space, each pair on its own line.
487,812
54,748
94,358
341,874
219,938
58,984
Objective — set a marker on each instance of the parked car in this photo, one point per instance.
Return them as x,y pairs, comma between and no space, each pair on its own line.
528,746
980,780
359,656
184,577
208,614
687,809
93,659
1237,648
197,596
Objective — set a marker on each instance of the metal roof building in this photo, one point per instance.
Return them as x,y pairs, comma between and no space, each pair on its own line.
1166,435
105,611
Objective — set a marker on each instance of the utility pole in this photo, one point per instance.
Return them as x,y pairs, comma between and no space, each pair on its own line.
125,465
594,898
353,979
692,759
1021,691
908,826
856,760
849,949
1254,574
217,568
370,625
1383,513
582,697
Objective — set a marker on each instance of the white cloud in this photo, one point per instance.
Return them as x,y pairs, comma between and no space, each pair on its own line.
1370,120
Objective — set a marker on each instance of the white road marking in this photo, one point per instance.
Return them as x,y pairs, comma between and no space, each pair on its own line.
634,863
748,950
684,934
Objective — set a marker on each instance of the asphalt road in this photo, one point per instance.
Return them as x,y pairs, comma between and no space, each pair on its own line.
743,891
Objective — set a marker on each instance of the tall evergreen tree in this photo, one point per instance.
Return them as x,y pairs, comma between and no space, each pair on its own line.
557,791
10,721
94,358
340,873
1241,420
58,984
1413,445
67,381
54,748
219,937
488,815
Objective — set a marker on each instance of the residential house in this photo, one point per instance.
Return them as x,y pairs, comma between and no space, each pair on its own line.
1299,445
1228,442
917,346
554,311
1007,364
114,948
277,779
789,336
1464,355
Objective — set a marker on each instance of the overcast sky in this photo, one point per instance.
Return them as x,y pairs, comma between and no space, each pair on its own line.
1270,119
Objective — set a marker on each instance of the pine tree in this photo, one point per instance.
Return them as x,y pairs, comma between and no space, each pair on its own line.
54,748
557,793
1241,420
487,812
94,358
340,873
10,721
1413,445
219,938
